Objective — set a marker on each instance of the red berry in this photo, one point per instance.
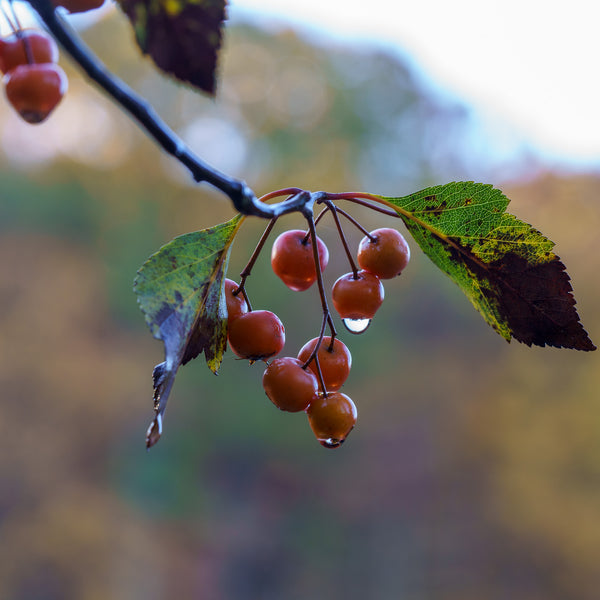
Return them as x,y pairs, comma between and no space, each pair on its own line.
77,6
288,385
357,298
256,335
386,255
35,90
332,418
17,48
236,304
293,262
335,361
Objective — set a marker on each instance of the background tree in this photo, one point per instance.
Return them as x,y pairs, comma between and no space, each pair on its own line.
83,507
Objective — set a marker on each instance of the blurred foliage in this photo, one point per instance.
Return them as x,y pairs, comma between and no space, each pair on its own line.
474,471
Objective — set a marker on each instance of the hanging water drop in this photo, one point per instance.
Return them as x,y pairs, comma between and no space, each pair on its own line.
356,325
331,442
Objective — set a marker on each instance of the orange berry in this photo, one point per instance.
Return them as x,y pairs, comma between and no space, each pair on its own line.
17,48
358,298
236,304
288,385
292,259
35,90
332,418
256,335
335,361
78,6
386,256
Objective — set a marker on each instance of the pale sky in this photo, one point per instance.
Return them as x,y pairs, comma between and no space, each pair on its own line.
533,64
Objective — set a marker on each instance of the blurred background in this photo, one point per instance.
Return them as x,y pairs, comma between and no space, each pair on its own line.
474,469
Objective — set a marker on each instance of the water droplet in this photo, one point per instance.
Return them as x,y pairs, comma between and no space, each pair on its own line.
331,442
356,325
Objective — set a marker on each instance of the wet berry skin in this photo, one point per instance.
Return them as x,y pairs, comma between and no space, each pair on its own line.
358,298
236,304
41,47
386,256
288,385
35,90
335,362
256,335
293,262
332,418
78,6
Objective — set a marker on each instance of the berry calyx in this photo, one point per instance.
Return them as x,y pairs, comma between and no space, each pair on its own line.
385,253
288,385
35,90
357,298
292,259
28,44
77,6
236,303
332,418
256,335
335,361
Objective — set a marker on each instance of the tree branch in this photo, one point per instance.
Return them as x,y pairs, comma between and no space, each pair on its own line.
241,195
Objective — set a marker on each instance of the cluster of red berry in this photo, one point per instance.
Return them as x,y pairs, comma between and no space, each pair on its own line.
311,381
33,81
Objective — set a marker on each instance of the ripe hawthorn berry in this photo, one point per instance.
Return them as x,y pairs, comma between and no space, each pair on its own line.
293,262
358,298
35,90
18,48
335,361
78,6
236,304
256,335
288,385
332,418
384,254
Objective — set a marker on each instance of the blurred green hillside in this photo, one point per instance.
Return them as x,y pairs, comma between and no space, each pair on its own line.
474,470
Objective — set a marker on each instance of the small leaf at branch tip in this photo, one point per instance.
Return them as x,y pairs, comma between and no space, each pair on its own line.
154,432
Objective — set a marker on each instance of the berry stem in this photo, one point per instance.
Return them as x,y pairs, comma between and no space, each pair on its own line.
356,223
333,208
251,262
314,354
20,36
8,18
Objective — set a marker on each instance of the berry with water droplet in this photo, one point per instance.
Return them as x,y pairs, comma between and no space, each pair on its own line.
256,335
357,298
332,418
288,385
236,303
28,44
292,259
385,253
35,90
334,359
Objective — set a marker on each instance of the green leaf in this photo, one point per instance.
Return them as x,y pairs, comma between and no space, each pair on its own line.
505,267
181,293
183,37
